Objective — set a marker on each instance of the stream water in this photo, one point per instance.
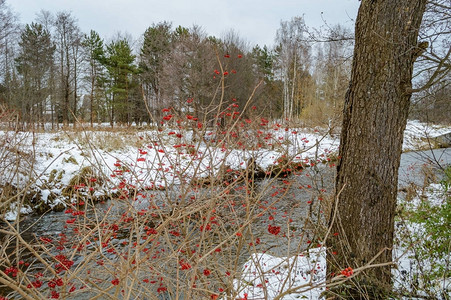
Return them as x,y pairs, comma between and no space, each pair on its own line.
414,165
413,170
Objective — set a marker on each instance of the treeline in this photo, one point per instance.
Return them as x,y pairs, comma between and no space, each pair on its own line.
52,72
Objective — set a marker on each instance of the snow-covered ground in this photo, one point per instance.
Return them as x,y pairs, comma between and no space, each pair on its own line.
303,276
414,240
266,276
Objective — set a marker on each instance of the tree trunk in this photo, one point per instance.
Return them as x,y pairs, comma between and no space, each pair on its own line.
91,106
375,116
75,91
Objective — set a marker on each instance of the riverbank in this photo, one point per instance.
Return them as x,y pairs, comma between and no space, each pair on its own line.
52,170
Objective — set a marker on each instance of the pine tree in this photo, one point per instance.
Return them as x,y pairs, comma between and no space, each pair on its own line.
120,65
33,64
95,56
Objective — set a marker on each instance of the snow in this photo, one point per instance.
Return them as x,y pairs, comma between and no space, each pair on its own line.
417,134
300,277
45,193
12,215
409,263
266,276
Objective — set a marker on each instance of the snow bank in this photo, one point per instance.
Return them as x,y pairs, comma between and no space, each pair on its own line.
417,134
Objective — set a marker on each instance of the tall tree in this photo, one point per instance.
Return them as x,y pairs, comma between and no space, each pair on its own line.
263,66
8,28
120,64
68,39
375,116
264,62
7,20
95,56
294,64
154,52
242,78
47,20
33,64
337,68
332,73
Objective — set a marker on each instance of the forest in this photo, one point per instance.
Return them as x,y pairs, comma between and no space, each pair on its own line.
54,73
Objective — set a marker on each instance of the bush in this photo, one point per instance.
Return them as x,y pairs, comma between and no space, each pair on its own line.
425,233
164,232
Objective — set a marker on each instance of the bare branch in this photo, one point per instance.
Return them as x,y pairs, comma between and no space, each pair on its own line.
440,72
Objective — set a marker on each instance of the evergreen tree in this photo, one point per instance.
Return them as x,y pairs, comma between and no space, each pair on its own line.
33,64
120,65
95,56
263,62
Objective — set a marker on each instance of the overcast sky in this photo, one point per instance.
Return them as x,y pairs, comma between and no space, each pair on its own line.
255,21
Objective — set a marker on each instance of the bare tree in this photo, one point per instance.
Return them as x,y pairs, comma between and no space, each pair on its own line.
434,61
337,66
7,21
8,28
294,61
186,74
432,74
68,39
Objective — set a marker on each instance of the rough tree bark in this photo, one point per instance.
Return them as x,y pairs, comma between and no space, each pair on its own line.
375,116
